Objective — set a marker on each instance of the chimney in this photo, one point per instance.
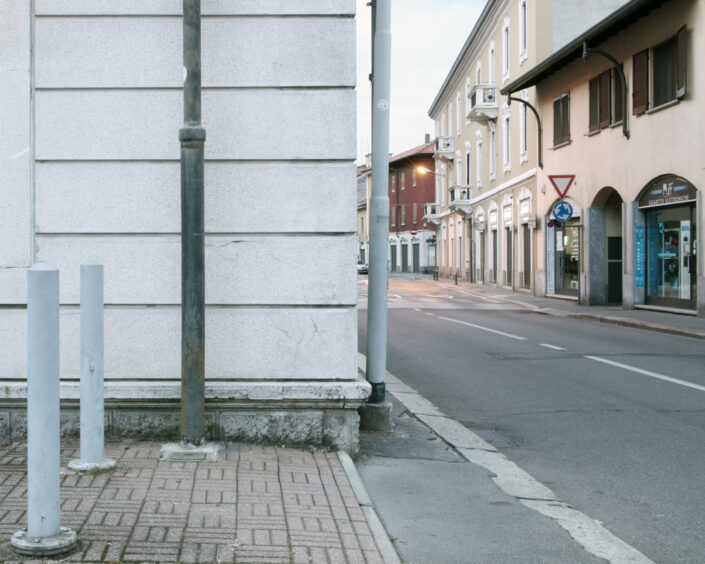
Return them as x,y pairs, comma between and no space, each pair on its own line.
427,138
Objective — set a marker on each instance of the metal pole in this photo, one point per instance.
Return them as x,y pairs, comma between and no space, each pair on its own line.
379,203
92,373
192,137
43,535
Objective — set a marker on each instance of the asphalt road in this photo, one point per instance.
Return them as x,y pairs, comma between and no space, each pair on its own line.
612,419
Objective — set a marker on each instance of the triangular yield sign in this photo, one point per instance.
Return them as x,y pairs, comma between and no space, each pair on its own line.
561,182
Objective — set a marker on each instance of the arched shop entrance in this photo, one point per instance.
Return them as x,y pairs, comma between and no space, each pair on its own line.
669,269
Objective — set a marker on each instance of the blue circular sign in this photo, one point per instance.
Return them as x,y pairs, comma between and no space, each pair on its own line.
562,211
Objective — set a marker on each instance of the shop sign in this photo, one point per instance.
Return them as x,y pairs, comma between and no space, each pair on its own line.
639,257
668,190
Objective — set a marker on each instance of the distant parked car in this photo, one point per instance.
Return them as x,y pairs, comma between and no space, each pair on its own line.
361,268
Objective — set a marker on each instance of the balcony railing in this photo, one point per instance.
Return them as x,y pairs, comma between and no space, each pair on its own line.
483,102
460,196
445,148
431,210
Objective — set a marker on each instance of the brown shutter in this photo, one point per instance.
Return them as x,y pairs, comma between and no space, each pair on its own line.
640,89
594,121
604,79
681,61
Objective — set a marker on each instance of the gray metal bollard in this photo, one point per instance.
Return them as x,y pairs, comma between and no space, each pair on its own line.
92,375
43,535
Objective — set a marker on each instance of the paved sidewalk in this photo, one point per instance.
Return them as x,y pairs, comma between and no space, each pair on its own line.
255,504
641,318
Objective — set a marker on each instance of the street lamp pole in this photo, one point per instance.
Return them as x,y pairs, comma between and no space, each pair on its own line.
379,202
192,137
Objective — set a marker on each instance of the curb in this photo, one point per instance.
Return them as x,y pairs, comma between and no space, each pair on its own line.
638,324
612,320
385,546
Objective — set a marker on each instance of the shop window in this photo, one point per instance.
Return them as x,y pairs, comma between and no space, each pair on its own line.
660,75
561,119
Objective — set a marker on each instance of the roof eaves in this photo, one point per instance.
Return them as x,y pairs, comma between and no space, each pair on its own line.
466,47
600,32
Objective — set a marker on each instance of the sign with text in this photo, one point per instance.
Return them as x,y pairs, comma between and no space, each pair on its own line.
561,182
639,257
668,190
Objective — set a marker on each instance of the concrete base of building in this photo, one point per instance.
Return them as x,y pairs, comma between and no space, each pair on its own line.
376,417
321,414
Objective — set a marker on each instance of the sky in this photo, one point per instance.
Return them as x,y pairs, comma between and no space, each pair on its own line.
426,39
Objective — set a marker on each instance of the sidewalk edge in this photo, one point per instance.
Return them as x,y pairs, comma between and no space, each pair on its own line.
384,544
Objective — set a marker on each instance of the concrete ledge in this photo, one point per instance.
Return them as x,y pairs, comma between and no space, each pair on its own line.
322,414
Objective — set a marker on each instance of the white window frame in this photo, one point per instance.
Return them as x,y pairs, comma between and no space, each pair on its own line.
394,183
403,181
468,88
523,31
492,151
413,177
457,113
450,119
415,213
506,138
505,50
468,162
491,63
458,168
478,72
524,129
478,159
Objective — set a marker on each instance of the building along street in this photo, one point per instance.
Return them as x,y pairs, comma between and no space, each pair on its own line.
610,418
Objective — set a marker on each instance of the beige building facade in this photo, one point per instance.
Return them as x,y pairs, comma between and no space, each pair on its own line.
486,150
637,174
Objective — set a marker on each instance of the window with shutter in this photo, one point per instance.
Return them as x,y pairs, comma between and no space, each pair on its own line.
604,110
617,98
594,121
664,72
681,61
561,119
640,78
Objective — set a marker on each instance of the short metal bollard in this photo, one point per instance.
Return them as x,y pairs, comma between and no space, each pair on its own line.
456,277
92,375
43,535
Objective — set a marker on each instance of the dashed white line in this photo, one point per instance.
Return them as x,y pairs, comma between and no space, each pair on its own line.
554,347
481,328
648,373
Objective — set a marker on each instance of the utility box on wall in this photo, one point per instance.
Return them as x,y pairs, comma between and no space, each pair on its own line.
90,111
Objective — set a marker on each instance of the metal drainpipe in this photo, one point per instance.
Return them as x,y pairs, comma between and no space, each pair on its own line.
192,137
379,203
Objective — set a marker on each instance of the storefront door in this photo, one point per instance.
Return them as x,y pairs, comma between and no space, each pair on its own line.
671,256
567,258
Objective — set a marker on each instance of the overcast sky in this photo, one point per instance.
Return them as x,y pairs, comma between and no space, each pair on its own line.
426,39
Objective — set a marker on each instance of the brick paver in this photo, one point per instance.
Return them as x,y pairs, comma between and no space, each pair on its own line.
255,504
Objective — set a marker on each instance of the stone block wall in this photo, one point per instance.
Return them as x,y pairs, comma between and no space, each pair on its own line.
90,108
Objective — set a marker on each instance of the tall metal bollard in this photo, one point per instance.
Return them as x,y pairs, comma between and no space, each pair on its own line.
92,376
43,535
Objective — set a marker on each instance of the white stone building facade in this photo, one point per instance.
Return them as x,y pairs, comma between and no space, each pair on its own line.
90,110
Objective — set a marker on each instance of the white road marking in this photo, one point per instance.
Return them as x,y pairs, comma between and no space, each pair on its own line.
428,313
515,481
416,309
554,347
481,328
648,373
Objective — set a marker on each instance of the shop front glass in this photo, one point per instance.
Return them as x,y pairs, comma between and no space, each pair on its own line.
671,255
567,257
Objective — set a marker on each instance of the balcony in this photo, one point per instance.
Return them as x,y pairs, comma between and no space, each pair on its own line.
432,213
460,196
445,148
483,103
